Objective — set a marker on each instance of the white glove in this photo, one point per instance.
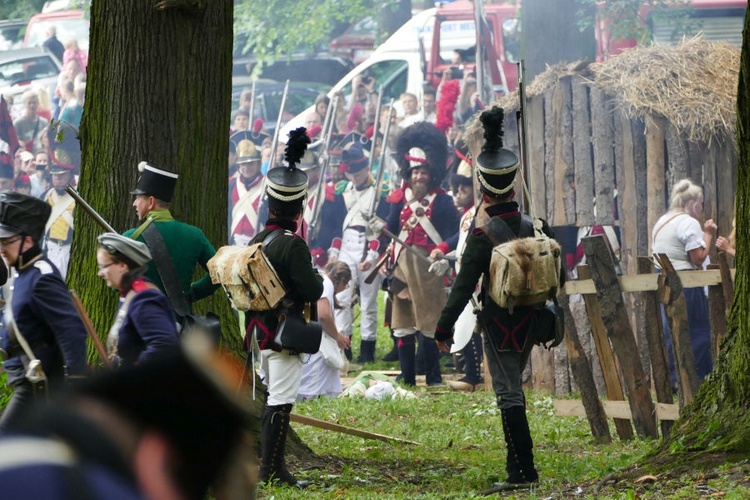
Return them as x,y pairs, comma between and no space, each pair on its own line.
439,267
333,254
372,257
375,228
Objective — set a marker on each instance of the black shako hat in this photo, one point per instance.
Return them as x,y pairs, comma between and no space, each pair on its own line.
21,214
353,158
155,182
495,166
287,186
187,394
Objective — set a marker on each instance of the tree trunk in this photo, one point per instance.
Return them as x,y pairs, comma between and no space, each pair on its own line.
158,90
718,418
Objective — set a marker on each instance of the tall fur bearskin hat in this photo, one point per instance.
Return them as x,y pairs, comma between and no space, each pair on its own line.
422,145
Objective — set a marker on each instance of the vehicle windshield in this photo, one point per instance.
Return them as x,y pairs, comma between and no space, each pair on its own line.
18,71
77,29
391,75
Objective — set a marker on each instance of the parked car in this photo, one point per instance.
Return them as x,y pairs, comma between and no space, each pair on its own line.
301,67
11,34
268,93
21,69
357,42
69,24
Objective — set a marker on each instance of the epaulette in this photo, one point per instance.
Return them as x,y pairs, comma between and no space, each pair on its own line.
385,189
330,192
44,266
139,285
396,197
341,187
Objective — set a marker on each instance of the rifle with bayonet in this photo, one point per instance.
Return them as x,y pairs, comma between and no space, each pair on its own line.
371,164
327,133
89,210
275,139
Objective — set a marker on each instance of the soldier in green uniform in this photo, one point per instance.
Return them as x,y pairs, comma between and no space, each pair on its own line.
505,331
173,244
290,257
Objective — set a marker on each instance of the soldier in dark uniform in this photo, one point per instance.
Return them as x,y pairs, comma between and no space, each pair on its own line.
186,245
505,331
39,311
290,257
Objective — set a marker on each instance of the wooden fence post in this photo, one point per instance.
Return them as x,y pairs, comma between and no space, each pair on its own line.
670,294
581,369
657,348
717,313
615,317
606,357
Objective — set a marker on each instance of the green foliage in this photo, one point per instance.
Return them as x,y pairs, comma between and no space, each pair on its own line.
274,28
624,17
19,9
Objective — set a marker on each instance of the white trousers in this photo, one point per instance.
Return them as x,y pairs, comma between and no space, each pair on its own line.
283,374
60,256
352,248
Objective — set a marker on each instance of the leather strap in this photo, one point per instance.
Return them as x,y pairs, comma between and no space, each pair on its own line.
165,268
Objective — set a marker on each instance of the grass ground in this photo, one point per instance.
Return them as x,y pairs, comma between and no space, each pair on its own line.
462,452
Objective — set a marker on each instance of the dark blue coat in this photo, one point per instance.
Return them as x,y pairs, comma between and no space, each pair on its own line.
149,328
48,320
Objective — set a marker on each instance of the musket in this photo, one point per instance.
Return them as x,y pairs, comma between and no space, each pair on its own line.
523,137
328,127
252,104
89,210
276,133
381,170
371,164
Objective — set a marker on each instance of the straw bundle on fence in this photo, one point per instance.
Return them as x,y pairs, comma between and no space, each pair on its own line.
693,85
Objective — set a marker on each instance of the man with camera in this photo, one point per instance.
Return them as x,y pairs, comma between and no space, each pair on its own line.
43,338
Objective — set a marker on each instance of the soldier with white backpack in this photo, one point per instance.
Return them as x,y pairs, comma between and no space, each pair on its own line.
506,329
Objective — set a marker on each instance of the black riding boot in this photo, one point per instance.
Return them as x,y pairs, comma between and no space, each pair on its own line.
366,351
393,353
472,354
273,443
406,352
520,461
431,360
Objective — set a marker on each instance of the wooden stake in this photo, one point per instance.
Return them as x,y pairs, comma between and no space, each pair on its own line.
90,329
322,424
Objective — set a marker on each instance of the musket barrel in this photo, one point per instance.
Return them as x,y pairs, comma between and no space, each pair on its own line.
89,210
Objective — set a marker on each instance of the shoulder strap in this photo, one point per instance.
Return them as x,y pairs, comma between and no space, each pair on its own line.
527,227
653,238
271,237
498,231
165,268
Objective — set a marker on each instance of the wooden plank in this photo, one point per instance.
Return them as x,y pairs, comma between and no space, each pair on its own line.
647,282
657,348
550,124
626,196
330,426
614,409
606,357
657,196
727,285
567,158
604,171
717,313
643,230
670,288
677,157
538,187
584,170
543,369
558,166
620,334
584,378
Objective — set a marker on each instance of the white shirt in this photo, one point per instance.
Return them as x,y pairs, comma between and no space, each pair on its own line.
676,238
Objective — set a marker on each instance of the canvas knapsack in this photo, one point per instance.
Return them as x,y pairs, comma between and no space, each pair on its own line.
525,269
248,277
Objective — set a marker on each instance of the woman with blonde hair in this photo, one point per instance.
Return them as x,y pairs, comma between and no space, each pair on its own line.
678,234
